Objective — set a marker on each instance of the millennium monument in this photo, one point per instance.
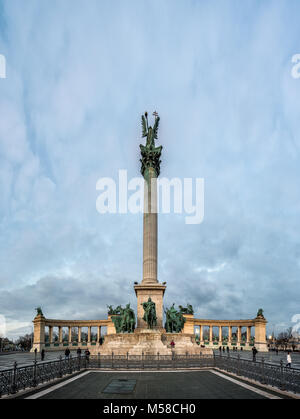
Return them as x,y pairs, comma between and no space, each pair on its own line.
147,333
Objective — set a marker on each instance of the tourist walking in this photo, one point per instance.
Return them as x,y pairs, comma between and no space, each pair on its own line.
67,353
254,352
289,360
227,349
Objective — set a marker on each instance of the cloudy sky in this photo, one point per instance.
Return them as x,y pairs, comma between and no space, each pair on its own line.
79,76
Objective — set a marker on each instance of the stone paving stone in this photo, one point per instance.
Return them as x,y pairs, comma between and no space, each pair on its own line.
158,385
120,386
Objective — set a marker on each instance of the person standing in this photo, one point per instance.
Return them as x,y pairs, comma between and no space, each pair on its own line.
172,344
254,352
43,354
79,352
67,353
87,355
289,360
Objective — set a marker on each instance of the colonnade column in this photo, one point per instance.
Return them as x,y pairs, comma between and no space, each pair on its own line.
239,335
79,334
220,335
201,335
70,334
89,334
50,334
60,335
229,335
248,335
210,335
99,333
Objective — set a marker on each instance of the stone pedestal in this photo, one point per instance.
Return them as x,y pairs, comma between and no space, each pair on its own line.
39,333
260,334
149,342
156,292
189,324
111,330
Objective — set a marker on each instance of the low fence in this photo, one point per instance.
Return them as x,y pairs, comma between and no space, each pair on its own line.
24,377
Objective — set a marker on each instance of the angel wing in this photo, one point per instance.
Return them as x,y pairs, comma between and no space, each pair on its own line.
144,127
155,127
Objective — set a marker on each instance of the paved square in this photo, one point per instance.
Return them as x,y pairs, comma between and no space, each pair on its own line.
153,385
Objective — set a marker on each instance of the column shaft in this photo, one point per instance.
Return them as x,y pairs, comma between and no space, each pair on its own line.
229,334
201,334
239,334
220,334
150,228
50,334
210,334
60,334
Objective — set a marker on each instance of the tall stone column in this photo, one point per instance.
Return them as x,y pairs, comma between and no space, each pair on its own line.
150,228
99,333
150,287
79,334
70,334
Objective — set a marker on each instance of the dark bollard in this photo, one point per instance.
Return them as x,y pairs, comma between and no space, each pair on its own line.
263,371
34,378
13,389
239,361
78,362
60,366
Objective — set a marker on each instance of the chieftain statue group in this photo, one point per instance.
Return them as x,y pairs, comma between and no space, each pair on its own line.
124,318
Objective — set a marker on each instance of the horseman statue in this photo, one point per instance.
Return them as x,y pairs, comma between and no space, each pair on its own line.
149,313
174,320
123,319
